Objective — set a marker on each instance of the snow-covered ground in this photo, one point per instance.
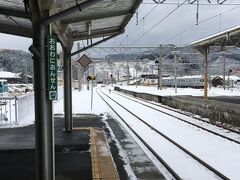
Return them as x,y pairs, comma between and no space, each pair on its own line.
82,101
183,91
19,111
221,154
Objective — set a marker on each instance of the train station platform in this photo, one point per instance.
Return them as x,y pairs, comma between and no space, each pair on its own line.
228,99
94,150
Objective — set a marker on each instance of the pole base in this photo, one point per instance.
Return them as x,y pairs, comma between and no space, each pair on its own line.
67,130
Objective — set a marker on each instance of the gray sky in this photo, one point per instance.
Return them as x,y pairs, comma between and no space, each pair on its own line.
183,19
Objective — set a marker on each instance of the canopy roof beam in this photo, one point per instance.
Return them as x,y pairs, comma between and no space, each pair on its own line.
13,12
8,29
96,43
97,33
96,17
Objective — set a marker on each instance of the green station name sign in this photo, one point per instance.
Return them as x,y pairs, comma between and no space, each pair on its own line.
52,67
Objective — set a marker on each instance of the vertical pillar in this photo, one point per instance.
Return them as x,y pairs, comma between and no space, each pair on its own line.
210,81
224,72
118,75
67,68
205,65
79,71
160,68
43,106
175,71
127,73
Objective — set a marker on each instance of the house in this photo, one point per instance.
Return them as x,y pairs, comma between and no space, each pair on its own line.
10,77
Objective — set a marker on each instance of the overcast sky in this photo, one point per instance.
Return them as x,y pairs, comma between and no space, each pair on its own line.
183,19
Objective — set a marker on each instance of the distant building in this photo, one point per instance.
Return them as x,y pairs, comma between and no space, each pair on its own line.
10,77
217,81
25,79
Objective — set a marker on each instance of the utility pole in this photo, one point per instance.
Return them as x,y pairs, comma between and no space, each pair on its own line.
175,68
136,79
160,68
111,76
27,73
118,75
136,75
224,73
79,71
229,72
127,73
209,81
175,71
205,66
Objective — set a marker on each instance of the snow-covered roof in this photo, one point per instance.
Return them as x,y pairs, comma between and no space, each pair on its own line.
185,77
232,77
229,37
7,75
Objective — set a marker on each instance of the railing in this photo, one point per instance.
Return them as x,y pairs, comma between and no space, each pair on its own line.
14,110
8,110
19,109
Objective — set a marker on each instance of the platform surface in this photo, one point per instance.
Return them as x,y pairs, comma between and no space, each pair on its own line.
74,152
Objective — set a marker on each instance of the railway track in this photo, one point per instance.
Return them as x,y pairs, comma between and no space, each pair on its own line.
180,118
178,148
172,109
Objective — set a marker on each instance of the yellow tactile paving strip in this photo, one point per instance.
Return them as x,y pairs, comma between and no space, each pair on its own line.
93,149
103,167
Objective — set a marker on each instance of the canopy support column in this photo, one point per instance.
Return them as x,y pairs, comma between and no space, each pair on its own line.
205,66
67,68
43,106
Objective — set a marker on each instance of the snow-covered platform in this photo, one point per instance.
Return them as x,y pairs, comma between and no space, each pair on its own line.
98,147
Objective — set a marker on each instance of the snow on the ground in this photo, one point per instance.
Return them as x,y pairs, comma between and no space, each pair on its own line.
82,103
190,119
218,152
182,91
82,100
24,108
29,120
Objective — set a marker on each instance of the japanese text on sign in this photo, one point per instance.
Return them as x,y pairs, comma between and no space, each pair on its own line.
52,67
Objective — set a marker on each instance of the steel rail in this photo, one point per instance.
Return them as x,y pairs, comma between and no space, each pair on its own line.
175,143
199,119
174,174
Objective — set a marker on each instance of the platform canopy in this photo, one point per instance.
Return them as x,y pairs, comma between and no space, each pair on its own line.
230,37
100,19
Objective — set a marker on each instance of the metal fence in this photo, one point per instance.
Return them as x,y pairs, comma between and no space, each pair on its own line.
19,109
16,109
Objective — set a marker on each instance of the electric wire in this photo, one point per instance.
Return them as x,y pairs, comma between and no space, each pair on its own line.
200,22
191,3
165,17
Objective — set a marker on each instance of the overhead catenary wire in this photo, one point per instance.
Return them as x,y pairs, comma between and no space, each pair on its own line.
141,20
193,3
161,20
148,13
183,3
200,22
